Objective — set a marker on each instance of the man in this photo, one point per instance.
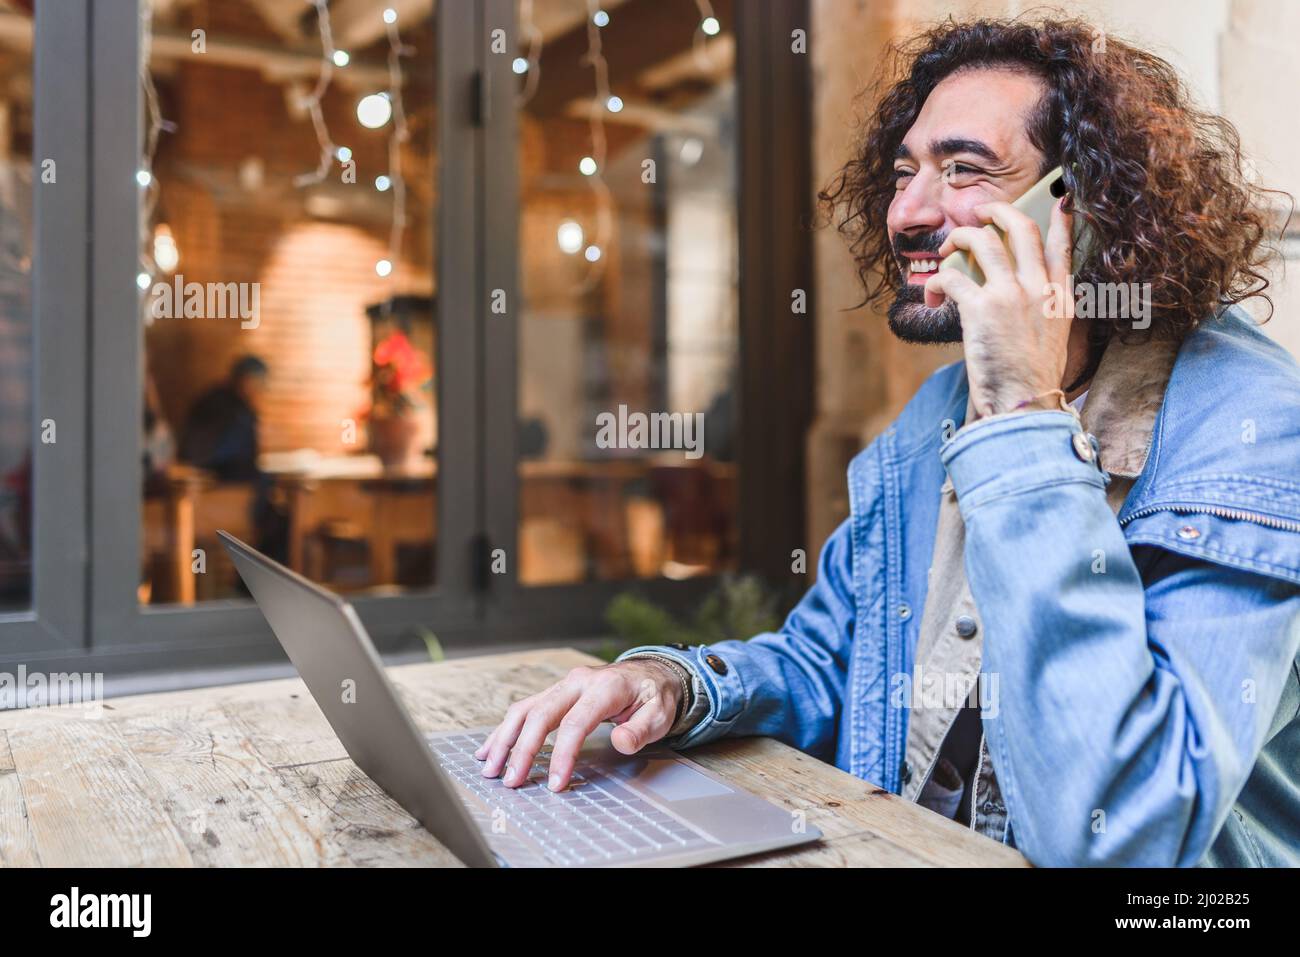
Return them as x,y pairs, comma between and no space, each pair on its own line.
1088,532
220,432
221,435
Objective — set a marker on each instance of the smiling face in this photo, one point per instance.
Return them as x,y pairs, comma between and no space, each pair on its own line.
969,145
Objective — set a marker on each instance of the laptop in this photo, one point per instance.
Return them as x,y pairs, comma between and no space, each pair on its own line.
654,808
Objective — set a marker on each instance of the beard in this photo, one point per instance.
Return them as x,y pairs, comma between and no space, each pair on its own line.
911,320
909,317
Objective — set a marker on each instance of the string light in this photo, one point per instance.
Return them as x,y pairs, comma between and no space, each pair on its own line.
341,58
708,27
570,237
593,166
374,111
532,60
313,100
144,175
396,139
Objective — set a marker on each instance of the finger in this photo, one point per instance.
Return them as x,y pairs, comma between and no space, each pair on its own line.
541,722
1025,239
986,246
482,751
542,719
1058,251
598,702
503,738
645,725
952,284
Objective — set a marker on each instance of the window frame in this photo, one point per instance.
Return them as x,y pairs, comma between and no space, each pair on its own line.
52,630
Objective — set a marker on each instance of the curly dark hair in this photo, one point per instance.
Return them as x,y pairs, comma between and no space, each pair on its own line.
1160,182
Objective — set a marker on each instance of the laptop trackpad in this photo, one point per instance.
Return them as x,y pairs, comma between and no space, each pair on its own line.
671,780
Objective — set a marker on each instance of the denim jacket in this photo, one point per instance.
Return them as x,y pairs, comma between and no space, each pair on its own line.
1149,714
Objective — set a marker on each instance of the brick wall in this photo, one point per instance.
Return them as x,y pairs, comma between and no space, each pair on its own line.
312,250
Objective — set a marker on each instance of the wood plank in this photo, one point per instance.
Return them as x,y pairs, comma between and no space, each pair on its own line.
856,850
229,807
352,814
17,845
842,805
87,798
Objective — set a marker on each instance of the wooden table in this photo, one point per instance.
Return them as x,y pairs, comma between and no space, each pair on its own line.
251,775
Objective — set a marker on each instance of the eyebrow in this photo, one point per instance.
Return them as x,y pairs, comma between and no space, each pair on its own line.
954,144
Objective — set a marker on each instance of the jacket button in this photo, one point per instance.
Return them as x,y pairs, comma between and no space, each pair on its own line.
716,663
904,611
1189,533
1083,447
966,626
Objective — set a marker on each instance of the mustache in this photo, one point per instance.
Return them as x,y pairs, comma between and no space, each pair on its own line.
918,243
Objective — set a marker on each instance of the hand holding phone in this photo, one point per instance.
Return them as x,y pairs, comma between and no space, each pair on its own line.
1036,203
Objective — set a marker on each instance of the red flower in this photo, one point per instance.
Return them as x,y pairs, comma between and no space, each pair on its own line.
399,370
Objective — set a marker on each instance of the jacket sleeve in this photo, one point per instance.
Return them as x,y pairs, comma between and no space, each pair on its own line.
787,684
1130,713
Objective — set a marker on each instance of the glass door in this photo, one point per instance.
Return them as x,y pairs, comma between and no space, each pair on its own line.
622,410
281,348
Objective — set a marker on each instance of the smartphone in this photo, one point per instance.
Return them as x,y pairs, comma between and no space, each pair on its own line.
1036,203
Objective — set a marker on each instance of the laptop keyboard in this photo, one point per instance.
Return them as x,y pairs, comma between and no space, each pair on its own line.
595,820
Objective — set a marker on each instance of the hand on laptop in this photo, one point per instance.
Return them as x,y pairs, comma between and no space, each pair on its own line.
640,696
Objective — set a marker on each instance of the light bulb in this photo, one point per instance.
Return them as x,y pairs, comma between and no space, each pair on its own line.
374,111
569,236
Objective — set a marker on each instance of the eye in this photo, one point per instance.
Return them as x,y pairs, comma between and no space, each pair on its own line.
953,170
900,175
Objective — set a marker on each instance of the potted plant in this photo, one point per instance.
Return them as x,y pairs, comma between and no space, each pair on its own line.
399,373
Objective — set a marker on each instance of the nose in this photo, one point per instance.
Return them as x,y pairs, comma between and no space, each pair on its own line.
916,207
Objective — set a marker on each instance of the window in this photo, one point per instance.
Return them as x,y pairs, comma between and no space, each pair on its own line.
628,336
374,325
289,296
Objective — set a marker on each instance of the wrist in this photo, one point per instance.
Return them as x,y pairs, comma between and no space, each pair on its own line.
677,676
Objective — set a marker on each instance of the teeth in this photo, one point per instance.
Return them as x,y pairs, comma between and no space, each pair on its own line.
924,265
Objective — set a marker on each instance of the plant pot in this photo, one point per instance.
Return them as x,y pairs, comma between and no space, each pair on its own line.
392,439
